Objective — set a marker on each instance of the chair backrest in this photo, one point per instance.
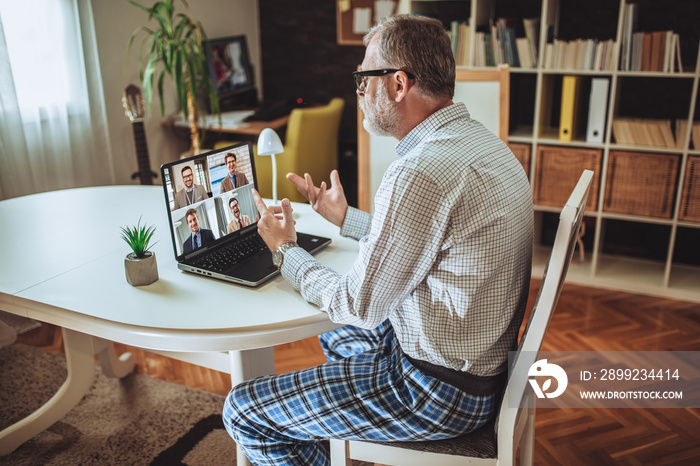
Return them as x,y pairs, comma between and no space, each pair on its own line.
550,289
315,128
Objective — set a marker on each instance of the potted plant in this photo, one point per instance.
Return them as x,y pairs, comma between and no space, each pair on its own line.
140,264
174,47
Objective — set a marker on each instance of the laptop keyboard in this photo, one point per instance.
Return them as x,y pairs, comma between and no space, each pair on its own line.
223,258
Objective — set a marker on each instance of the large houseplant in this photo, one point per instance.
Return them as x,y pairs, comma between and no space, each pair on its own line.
175,47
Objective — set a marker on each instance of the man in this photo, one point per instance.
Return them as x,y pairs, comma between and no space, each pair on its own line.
199,237
435,299
239,221
192,192
234,179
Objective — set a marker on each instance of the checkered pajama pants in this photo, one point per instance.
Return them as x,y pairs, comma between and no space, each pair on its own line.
367,391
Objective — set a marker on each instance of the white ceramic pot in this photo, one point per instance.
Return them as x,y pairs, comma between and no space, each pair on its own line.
141,271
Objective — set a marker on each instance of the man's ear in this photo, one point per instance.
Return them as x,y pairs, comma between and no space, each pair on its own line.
401,84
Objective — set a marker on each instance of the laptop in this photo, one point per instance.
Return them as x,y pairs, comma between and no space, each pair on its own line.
213,217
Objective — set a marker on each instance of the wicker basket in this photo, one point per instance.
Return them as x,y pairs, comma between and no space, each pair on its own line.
640,183
522,153
690,203
558,170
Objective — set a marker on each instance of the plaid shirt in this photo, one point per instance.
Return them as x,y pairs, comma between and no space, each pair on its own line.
447,255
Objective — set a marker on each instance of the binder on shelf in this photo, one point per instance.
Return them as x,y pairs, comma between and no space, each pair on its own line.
597,108
570,120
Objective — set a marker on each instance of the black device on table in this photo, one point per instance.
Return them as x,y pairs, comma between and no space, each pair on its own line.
274,110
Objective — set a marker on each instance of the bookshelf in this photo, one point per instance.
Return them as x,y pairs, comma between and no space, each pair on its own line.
649,247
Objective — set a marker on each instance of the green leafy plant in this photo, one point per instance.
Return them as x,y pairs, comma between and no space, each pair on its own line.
175,48
139,238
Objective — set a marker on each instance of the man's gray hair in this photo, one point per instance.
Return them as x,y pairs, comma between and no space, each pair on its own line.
420,46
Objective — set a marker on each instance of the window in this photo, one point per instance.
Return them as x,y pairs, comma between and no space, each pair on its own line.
45,54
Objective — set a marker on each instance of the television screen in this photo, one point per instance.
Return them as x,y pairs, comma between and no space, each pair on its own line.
229,66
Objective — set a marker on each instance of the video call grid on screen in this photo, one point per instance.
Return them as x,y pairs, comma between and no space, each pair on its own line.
214,211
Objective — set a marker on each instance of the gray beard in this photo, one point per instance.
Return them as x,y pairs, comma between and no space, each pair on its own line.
383,116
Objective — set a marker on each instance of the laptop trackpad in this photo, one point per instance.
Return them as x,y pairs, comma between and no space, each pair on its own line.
254,269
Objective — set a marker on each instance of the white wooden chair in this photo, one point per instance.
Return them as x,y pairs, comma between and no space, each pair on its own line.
497,442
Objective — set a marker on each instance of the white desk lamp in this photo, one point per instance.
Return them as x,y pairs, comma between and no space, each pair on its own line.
269,143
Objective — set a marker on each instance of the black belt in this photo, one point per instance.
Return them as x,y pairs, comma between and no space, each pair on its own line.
470,383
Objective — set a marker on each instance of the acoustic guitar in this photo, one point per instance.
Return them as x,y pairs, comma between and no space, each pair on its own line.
135,110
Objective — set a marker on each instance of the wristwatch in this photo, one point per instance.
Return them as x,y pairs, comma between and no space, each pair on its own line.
278,254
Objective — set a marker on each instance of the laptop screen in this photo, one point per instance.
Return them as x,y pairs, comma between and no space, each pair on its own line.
209,198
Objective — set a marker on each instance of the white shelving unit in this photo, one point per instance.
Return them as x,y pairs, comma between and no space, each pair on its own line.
669,273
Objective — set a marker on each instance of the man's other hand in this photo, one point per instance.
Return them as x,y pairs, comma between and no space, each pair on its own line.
330,203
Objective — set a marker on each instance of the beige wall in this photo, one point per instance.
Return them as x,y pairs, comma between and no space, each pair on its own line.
115,20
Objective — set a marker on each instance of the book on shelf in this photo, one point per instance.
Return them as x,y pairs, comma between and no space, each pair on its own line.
637,50
570,55
523,50
629,20
646,51
604,55
532,33
489,54
597,109
497,47
571,118
656,51
460,37
657,48
644,132
676,41
479,49
548,62
668,52
454,35
507,36
696,135
516,41
681,130
579,54
483,49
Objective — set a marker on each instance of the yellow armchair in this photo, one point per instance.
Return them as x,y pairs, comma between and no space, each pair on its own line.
310,146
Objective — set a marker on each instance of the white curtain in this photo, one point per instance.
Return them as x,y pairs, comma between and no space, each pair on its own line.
53,131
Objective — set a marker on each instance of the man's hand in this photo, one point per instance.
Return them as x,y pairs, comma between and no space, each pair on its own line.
276,225
330,203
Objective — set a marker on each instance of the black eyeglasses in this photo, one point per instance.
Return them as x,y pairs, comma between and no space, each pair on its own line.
361,76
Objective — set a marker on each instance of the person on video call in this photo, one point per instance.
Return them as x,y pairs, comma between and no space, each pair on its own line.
239,221
199,237
234,179
192,192
436,296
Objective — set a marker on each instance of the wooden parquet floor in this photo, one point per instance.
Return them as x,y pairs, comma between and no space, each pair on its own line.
585,319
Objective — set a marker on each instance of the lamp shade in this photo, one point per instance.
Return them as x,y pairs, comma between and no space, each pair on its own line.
269,143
